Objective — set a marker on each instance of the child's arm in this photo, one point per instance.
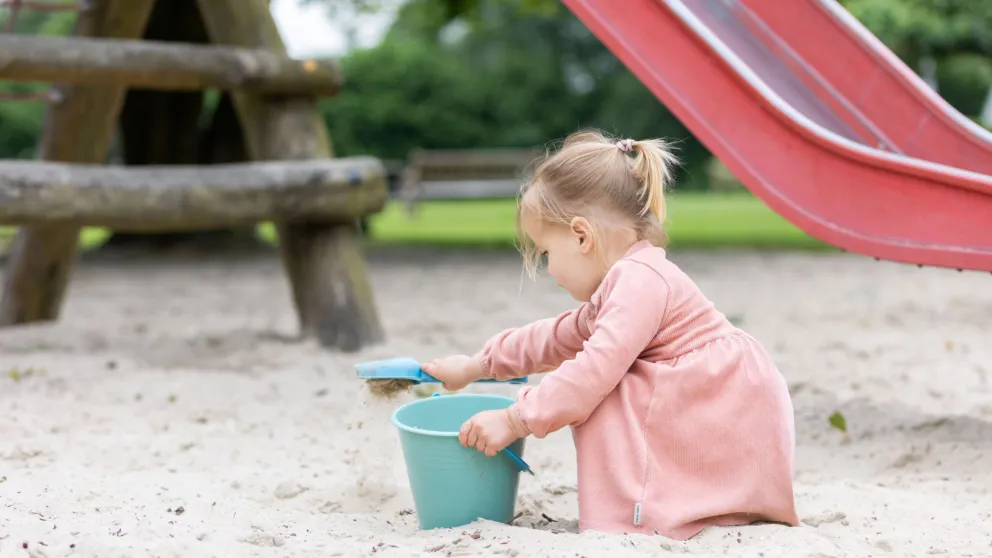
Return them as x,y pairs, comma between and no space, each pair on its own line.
633,309
540,346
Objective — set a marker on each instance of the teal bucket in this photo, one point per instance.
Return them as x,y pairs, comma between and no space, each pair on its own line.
453,485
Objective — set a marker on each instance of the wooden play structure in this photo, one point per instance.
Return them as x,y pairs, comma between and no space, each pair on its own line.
133,75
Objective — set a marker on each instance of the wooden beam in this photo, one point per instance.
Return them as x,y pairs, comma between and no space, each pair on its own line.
331,288
162,66
76,129
180,197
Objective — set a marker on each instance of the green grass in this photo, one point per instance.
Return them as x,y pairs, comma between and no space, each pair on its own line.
695,221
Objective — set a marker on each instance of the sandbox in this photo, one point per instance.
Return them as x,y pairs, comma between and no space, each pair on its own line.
165,416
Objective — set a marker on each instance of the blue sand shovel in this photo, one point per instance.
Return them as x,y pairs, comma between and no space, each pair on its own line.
406,368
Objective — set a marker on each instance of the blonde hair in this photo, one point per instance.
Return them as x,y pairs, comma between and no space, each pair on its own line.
598,177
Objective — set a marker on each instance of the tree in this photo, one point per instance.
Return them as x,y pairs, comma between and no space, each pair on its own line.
913,28
956,34
405,94
20,121
503,76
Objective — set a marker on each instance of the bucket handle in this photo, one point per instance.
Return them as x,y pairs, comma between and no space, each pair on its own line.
517,460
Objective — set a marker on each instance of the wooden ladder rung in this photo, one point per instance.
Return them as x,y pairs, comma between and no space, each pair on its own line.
162,65
43,6
178,197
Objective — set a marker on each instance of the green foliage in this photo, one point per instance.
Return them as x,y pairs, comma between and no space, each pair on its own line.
405,94
20,125
520,76
964,81
956,33
20,121
938,27
56,24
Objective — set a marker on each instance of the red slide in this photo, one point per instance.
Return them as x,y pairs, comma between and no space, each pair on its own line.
856,158
853,64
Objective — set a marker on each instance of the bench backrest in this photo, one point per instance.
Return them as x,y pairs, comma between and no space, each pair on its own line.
466,173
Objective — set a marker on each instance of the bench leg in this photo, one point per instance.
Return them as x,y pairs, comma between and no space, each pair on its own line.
330,284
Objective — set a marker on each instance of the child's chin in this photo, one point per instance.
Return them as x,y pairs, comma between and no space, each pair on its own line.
577,296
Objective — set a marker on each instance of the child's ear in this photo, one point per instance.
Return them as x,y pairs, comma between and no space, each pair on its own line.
582,230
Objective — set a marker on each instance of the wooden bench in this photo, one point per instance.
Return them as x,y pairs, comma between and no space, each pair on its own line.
464,174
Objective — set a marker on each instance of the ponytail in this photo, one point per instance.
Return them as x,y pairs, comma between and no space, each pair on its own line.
653,162
590,171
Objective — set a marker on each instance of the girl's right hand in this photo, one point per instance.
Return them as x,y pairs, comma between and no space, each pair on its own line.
455,371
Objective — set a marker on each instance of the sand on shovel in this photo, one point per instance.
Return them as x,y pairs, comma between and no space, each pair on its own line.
389,389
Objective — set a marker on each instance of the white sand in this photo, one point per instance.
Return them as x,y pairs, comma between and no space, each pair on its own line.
172,386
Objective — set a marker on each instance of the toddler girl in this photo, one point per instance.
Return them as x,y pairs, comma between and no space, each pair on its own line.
680,419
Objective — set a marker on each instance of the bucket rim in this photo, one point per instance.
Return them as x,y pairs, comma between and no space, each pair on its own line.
426,401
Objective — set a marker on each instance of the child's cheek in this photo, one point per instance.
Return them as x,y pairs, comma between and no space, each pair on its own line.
552,268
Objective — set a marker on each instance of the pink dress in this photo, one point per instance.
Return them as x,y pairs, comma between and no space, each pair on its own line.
680,419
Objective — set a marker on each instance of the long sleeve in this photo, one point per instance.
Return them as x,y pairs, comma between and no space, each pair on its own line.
634,301
536,347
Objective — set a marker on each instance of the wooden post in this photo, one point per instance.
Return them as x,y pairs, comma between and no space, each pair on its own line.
76,129
330,282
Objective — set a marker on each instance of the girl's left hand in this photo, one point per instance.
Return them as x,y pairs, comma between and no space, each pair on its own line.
489,432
